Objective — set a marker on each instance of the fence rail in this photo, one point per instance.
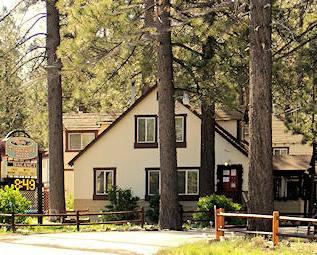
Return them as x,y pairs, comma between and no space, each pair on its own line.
220,229
77,221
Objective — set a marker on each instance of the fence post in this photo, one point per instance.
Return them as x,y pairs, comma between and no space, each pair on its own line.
77,220
13,222
275,227
219,223
142,217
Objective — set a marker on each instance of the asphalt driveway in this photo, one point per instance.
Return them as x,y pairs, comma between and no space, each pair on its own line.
93,243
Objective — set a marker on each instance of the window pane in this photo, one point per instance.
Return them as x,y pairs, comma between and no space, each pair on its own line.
109,181
87,138
293,189
179,128
100,182
150,128
192,182
226,172
181,180
74,141
154,183
283,152
141,130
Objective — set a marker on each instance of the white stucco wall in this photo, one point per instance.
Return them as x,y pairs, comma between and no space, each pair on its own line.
230,125
116,149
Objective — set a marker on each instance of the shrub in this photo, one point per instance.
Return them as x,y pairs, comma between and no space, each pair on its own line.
207,203
11,201
154,212
121,200
69,202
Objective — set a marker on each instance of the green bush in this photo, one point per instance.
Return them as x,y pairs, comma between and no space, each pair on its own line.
121,200
69,202
207,204
154,212
11,201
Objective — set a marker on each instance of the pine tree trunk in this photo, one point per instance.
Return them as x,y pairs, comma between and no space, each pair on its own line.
208,121
169,208
260,155
148,50
207,154
56,160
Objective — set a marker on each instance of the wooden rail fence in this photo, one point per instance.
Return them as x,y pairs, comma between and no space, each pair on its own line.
77,222
220,229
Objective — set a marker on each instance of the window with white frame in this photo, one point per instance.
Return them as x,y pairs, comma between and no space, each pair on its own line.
187,179
77,141
180,128
104,181
145,129
280,151
154,182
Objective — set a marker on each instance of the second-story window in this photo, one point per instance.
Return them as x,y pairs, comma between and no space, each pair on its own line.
145,131
280,151
77,141
180,129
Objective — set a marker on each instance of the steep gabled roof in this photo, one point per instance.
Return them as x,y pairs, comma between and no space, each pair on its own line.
82,120
220,130
291,162
112,124
242,147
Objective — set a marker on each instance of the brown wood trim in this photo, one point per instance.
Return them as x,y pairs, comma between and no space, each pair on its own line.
113,124
69,169
103,197
145,145
80,131
222,132
184,143
138,145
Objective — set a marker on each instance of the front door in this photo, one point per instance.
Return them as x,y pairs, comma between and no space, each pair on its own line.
229,180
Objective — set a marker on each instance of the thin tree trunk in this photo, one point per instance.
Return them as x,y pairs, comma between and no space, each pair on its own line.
260,155
207,154
56,160
169,208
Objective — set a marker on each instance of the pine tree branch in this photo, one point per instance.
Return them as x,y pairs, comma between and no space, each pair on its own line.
27,61
187,68
296,48
119,67
310,28
187,48
12,10
33,24
28,52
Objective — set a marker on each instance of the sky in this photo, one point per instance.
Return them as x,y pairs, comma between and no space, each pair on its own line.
25,19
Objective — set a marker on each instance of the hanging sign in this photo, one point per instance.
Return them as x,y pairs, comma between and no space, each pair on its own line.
21,148
21,169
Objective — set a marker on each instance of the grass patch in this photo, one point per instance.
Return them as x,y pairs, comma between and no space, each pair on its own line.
243,246
65,229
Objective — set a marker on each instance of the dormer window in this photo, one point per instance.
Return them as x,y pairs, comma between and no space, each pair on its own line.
78,140
145,131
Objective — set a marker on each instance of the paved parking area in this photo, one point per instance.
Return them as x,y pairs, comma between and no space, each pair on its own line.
93,243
